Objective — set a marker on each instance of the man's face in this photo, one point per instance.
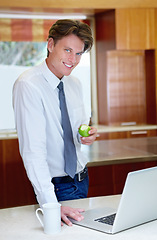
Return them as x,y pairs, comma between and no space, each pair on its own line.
65,55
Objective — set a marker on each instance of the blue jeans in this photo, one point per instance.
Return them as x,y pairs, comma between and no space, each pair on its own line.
72,190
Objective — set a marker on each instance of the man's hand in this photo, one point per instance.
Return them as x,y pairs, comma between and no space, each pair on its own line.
89,140
74,213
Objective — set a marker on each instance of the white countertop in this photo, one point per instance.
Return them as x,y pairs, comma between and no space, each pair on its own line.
21,223
8,134
124,128
11,133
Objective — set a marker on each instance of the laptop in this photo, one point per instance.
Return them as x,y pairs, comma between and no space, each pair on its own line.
138,205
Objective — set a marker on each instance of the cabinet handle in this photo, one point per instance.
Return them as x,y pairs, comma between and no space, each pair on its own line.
139,132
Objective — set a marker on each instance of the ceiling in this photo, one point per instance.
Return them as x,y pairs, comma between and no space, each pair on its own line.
64,7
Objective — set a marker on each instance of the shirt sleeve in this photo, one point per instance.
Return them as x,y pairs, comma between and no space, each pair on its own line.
31,125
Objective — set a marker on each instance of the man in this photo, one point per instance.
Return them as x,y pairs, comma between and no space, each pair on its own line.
39,122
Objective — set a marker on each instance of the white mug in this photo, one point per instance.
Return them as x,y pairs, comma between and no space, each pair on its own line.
51,220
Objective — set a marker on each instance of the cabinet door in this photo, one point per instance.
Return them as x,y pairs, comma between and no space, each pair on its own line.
111,135
110,179
120,172
16,189
135,29
100,181
126,95
142,133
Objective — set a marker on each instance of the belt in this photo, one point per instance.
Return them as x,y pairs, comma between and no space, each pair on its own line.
65,179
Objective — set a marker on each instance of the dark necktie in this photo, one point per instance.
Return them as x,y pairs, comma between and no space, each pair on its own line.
70,156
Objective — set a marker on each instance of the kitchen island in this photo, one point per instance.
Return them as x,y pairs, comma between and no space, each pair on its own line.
109,163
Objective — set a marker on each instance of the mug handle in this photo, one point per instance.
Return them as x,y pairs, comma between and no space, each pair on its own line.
37,214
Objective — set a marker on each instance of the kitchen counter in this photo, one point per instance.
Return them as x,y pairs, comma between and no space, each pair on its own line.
21,223
11,133
123,128
108,159
115,151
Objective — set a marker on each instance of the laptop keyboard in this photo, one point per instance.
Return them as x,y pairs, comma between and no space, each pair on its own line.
107,220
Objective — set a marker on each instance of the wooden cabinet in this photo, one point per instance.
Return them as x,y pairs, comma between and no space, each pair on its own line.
16,189
126,134
126,95
142,133
126,72
130,79
120,172
108,180
111,135
135,29
105,41
100,181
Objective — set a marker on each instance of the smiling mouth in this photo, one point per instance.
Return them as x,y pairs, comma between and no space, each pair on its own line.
68,65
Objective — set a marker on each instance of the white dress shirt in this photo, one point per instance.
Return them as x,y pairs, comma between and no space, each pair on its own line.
38,123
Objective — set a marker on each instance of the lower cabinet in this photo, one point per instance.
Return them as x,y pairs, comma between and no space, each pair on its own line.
110,179
126,134
100,181
16,189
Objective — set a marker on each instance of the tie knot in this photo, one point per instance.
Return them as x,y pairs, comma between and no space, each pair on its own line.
60,86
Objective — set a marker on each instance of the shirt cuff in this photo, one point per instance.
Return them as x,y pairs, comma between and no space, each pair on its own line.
46,197
79,138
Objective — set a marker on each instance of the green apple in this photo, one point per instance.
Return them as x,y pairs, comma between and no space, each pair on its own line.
83,130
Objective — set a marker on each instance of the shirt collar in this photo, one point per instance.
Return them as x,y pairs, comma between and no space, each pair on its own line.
49,76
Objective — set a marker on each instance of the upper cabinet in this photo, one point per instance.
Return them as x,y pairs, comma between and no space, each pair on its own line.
135,29
126,44
125,87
